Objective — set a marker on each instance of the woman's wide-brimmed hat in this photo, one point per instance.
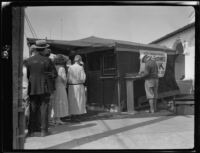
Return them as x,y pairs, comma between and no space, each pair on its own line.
60,60
41,44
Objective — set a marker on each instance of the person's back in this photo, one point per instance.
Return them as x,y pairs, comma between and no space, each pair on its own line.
36,68
150,74
152,69
76,90
76,74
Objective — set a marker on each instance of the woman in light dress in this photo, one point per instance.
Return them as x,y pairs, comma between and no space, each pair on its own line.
76,91
59,98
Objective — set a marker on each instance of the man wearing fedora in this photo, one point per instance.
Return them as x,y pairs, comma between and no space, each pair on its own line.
40,70
150,74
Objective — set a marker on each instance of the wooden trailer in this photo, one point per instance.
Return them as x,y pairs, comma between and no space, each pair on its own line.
107,62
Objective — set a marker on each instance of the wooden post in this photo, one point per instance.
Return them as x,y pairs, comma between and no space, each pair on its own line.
118,94
118,81
130,97
17,58
130,94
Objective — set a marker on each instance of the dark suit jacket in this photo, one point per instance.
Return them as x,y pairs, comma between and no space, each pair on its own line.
41,75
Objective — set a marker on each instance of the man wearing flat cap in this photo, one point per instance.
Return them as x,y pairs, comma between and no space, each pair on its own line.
150,74
76,91
40,70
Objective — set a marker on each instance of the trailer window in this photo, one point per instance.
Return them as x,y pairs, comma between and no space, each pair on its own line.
109,64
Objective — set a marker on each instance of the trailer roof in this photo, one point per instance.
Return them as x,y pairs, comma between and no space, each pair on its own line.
94,44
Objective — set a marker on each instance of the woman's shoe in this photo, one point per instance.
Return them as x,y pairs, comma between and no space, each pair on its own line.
60,122
52,122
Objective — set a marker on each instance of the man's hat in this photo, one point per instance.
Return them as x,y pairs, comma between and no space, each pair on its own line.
41,44
147,57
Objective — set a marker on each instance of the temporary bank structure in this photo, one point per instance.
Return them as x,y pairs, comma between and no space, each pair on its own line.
107,62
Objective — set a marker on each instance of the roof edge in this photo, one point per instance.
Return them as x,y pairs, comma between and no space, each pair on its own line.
173,33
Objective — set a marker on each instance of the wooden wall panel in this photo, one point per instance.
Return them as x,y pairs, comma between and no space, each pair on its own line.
17,56
95,88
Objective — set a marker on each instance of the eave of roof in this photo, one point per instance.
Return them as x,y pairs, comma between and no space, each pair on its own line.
173,33
96,42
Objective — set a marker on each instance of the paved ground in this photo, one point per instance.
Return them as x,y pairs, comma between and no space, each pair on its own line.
162,130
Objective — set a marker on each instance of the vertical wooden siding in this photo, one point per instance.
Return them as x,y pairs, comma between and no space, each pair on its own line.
95,88
17,56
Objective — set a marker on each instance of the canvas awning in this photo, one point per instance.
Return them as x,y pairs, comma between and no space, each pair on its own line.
94,44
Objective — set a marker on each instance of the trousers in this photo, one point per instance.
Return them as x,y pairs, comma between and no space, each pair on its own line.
38,112
151,88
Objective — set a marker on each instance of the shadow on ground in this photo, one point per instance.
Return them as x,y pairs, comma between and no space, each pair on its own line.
92,115
163,110
87,139
102,115
69,127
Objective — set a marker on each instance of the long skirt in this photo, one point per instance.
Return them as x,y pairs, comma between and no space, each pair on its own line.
77,99
60,102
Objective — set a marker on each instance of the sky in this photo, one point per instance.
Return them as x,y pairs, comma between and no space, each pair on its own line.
140,24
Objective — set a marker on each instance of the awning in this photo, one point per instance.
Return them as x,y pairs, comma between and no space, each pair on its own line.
95,44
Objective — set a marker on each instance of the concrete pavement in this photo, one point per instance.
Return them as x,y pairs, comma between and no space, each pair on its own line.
163,130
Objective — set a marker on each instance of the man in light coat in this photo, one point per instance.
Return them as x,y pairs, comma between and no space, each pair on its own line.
76,91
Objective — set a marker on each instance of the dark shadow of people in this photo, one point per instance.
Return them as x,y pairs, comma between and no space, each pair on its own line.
68,127
87,139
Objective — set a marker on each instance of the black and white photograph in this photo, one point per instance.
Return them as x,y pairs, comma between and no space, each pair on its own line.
101,76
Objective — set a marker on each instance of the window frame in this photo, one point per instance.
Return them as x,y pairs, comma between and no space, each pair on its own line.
111,69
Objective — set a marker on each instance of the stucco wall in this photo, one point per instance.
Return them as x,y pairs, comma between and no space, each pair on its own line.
185,65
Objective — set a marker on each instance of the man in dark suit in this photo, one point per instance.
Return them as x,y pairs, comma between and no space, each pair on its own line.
41,71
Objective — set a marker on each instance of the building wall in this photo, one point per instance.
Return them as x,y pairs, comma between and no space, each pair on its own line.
185,65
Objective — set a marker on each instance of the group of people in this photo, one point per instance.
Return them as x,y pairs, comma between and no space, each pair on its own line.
53,87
